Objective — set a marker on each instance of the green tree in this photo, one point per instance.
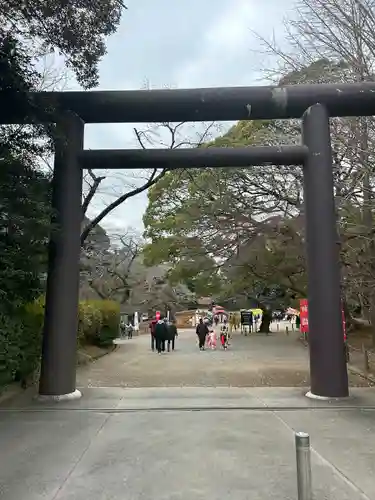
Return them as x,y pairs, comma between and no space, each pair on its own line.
76,29
24,227
197,220
24,190
335,39
24,222
30,30
269,270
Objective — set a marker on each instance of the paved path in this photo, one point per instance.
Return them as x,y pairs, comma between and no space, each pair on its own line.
187,443
255,360
134,436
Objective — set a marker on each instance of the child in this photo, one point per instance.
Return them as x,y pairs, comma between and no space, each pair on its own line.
211,339
224,337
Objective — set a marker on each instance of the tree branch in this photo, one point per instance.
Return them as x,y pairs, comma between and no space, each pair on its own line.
92,191
154,178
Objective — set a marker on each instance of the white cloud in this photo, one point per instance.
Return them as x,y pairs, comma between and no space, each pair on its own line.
227,36
212,45
231,28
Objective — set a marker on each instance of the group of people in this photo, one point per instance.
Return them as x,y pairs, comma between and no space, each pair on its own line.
163,335
164,332
126,329
293,319
207,335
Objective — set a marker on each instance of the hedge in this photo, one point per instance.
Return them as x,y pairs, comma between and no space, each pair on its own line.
21,335
99,322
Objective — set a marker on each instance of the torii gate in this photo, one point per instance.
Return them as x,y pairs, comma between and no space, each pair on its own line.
72,110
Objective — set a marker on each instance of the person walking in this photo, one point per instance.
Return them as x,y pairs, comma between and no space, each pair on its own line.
232,323
172,334
152,332
211,338
161,335
224,337
129,329
255,322
202,332
298,322
122,328
251,322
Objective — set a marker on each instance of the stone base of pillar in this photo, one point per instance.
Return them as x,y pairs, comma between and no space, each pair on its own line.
48,398
310,395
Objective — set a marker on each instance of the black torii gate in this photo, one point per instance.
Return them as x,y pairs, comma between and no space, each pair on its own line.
313,103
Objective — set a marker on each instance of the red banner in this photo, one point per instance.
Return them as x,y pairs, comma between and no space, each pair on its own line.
304,317
157,315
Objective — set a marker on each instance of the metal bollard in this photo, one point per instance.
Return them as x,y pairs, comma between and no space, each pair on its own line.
303,466
286,330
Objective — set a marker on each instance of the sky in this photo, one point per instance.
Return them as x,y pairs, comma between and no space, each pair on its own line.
175,44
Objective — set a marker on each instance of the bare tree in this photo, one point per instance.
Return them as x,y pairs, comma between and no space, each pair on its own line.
110,271
168,135
117,272
335,39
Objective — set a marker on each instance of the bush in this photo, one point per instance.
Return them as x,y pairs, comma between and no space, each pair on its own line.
21,334
10,340
89,323
20,342
103,322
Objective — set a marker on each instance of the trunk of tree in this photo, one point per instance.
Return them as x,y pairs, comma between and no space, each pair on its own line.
266,321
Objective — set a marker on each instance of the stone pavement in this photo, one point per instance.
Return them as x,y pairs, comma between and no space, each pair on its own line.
184,426
187,443
254,360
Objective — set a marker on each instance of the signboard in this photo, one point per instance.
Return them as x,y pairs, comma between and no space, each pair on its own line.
304,317
246,318
157,315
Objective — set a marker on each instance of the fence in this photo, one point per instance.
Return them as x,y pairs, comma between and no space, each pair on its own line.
363,359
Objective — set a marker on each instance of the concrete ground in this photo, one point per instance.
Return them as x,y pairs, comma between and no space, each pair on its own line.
254,360
187,443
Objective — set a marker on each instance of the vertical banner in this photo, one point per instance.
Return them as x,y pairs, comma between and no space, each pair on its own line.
304,317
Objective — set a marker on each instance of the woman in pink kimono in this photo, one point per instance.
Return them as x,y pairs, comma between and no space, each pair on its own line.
211,338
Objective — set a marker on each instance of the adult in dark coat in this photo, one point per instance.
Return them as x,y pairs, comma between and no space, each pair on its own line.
298,321
152,332
172,334
202,332
161,335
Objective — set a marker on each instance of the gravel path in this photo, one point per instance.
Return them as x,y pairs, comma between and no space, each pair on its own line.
255,360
